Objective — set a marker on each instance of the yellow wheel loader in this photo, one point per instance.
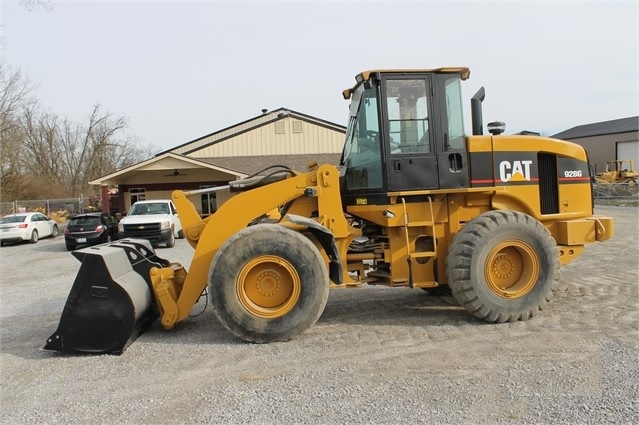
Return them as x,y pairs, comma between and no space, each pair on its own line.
414,203
620,171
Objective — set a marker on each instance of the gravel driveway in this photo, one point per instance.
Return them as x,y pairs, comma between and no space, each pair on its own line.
376,356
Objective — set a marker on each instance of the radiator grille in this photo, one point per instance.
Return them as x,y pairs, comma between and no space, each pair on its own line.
548,183
146,231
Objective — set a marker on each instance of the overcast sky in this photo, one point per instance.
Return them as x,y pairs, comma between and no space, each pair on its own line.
179,71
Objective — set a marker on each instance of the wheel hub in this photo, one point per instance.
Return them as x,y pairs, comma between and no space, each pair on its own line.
503,267
268,283
268,286
512,269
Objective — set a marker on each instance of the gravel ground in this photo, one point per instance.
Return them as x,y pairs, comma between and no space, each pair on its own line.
376,356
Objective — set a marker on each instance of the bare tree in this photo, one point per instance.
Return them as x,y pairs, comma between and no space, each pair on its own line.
41,150
34,4
44,156
69,155
15,95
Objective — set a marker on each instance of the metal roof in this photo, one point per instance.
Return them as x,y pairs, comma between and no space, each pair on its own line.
622,125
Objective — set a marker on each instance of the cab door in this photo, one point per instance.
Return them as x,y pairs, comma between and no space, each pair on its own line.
450,141
411,161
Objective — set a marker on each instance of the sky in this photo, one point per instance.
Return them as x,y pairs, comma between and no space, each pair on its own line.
182,70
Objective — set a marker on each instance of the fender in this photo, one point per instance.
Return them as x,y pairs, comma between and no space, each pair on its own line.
326,238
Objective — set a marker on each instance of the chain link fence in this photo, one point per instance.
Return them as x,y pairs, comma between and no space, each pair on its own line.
620,191
58,209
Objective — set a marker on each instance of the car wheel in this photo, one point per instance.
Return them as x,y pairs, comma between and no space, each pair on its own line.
55,231
34,237
171,242
181,234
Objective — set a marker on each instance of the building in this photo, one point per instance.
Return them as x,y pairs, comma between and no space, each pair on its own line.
280,137
606,141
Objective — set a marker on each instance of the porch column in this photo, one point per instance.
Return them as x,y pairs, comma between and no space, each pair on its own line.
105,198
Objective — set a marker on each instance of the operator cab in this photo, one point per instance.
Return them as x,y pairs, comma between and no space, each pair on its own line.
405,133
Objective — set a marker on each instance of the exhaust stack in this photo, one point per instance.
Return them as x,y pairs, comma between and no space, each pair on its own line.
476,112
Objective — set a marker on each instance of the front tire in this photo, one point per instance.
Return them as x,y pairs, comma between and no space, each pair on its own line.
55,232
503,266
268,283
34,237
171,242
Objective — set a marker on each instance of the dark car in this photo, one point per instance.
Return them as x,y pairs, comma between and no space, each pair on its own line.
90,229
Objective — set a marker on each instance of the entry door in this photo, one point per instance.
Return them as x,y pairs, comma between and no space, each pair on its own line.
409,149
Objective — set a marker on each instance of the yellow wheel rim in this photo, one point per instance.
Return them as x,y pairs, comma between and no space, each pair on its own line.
512,269
268,286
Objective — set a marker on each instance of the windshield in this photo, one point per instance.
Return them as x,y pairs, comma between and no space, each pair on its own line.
362,150
149,208
13,219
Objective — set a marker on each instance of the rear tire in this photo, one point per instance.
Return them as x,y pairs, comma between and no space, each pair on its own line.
268,283
503,266
34,237
181,234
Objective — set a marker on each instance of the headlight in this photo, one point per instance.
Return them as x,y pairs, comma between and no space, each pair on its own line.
120,227
166,225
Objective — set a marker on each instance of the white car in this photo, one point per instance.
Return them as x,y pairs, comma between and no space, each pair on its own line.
26,227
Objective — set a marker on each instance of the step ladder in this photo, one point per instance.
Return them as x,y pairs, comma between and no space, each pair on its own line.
412,254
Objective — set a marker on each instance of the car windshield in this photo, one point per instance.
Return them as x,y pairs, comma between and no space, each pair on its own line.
84,221
13,219
149,208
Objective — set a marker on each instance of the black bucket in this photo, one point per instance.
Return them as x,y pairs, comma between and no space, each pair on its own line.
111,302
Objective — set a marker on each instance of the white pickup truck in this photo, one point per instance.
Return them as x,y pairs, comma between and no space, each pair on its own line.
155,220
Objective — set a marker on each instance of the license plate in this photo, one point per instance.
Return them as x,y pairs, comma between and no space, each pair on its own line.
82,240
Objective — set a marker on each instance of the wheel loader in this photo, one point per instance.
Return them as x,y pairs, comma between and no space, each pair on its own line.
620,171
413,203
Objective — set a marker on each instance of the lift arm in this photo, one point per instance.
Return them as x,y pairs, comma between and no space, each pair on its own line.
207,235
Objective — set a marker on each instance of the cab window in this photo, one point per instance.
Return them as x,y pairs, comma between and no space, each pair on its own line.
452,88
407,105
362,154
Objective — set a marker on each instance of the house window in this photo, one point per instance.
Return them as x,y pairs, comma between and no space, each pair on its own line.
209,201
279,127
137,194
297,126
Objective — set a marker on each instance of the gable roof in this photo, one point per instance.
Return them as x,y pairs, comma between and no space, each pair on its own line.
251,124
622,125
165,161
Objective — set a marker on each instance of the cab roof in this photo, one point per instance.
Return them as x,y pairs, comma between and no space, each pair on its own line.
366,75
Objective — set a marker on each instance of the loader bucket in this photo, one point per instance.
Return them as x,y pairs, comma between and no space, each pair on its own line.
111,301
